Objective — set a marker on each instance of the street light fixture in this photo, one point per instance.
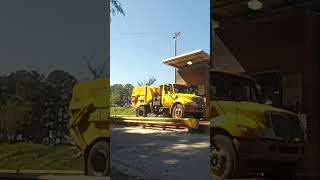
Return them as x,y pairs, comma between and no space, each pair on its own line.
255,5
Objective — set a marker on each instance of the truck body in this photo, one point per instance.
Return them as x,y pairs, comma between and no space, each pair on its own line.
245,131
175,100
89,112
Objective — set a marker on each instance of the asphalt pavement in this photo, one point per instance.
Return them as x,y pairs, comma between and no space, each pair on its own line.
154,153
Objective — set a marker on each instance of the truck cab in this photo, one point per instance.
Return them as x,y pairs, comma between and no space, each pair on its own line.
246,130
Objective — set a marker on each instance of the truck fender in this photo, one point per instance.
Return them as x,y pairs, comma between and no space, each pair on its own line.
221,131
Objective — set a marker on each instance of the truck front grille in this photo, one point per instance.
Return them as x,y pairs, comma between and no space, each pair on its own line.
198,100
289,150
286,126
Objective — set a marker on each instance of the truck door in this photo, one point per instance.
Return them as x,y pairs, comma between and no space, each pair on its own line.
166,99
222,100
247,101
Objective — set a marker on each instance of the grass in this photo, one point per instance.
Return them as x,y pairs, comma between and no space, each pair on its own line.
39,157
121,111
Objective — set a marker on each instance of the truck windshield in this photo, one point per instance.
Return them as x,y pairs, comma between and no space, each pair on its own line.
232,88
182,89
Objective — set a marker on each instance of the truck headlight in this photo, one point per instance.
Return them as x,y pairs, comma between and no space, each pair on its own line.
258,132
190,103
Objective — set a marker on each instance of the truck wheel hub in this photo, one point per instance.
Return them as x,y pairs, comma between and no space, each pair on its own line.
218,161
178,112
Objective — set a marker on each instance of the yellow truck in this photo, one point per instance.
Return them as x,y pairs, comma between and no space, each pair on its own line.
169,99
248,135
89,124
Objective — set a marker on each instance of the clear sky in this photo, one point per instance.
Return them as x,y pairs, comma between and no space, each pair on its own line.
47,35
143,38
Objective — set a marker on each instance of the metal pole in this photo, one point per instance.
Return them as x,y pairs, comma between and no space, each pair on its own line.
175,46
175,37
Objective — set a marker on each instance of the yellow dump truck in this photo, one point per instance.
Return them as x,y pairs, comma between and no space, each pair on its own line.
169,99
248,135
89,124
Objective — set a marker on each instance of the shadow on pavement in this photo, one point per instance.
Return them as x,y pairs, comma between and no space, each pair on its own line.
49,177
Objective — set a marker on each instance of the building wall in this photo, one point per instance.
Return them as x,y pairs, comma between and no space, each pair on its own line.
270,43
221,57
197,74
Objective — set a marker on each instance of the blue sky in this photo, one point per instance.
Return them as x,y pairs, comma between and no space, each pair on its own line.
143,38
50,35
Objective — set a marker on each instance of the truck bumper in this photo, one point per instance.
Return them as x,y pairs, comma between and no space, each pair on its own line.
194,109
262,155
268,150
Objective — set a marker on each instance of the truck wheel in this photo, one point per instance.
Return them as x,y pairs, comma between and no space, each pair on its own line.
222,157
178,111
141,111
98,162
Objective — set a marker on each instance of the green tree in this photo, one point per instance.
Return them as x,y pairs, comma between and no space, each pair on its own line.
121,94
19,91
127,93
117,94
62,83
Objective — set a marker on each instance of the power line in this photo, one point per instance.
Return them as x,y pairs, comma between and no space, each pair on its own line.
140,33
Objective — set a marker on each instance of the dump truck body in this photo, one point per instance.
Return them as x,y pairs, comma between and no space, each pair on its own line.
89,112
168,99
143,94
250,131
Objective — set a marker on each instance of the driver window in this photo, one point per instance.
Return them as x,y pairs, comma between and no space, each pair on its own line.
219,88
167,89
170,89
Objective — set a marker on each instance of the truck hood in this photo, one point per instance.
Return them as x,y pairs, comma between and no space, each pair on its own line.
248,111
186,96
260,108
240,118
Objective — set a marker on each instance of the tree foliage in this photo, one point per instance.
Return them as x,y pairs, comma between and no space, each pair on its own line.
29,100
120,95
151,80
116,7
95,70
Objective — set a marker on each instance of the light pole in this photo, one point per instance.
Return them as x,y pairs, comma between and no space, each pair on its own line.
175,38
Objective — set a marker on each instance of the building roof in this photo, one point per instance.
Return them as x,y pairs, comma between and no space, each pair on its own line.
231,74
195,57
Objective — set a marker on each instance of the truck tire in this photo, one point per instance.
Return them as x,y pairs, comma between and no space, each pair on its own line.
141,111
177,111
98,160
223,160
